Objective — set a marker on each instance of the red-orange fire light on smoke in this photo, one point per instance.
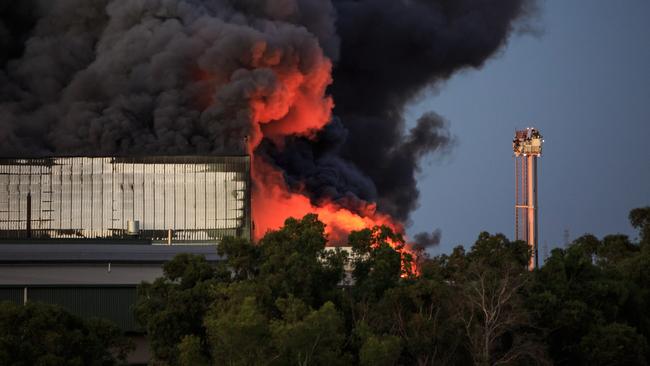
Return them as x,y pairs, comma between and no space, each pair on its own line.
273,203
292,101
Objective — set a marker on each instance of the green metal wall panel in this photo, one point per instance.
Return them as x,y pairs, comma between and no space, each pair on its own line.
14,294
114,303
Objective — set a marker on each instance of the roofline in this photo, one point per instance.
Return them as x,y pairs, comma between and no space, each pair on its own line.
126,156
101,261
84,285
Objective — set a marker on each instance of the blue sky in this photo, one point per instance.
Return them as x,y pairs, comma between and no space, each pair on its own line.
585,83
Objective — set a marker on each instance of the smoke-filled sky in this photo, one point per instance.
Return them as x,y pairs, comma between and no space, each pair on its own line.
315,90
331,99
584,81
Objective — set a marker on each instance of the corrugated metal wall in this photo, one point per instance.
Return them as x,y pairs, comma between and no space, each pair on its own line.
14,294
114,303
199,198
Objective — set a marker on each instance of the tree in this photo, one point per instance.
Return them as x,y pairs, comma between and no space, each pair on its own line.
42,334
239,335
493,315
283,302
591,287
190,352
378,261
294,262
431,332
243,257
420,314
490,303
380,351
304,337
174,305
614,344
640,219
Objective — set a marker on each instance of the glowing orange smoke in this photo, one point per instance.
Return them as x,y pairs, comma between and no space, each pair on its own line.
298,107
286,90
273,203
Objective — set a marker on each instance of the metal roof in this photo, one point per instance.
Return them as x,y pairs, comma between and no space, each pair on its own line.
93,253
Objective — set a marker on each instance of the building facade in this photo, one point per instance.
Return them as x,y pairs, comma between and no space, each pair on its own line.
166,199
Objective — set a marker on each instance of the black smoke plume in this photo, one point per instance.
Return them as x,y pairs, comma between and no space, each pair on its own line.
390,51
423,241
125,77
120,77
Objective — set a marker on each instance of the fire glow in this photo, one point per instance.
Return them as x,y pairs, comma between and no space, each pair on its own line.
293,101
273,203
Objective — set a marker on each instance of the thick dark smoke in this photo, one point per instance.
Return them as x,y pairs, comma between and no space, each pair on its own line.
423,241
390,51
319,166
16,19
129,77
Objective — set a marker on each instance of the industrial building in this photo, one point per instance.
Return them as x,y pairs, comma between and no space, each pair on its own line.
83,232
179,199
89,279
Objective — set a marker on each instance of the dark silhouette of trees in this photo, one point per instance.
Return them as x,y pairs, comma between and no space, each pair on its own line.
592,300
288,301
42,334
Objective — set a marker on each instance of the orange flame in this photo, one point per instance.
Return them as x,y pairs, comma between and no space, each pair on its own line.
293,102
273,203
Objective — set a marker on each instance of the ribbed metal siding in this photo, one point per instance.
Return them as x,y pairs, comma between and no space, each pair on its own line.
199,198
14,294
114,303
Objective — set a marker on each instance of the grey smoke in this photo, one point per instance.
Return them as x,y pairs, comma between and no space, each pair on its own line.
424,240
117,77
392,50
120,77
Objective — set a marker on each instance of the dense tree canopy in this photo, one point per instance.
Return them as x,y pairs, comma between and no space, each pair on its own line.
593,301
288,300
41,334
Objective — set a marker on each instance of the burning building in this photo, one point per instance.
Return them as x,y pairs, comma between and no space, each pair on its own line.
317,88
179,199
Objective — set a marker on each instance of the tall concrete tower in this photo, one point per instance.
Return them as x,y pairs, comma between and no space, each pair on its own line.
527,147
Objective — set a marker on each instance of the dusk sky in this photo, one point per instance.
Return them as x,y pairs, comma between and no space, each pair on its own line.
584,82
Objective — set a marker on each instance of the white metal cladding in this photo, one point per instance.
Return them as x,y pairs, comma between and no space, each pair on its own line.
200,198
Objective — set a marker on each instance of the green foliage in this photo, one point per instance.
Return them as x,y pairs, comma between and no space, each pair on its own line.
239,335
497,326
284,301
614,344
243,257
190,352
315,339
380,351
592,300
41,334
294,262
174,305
378,263
640,219
498,251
